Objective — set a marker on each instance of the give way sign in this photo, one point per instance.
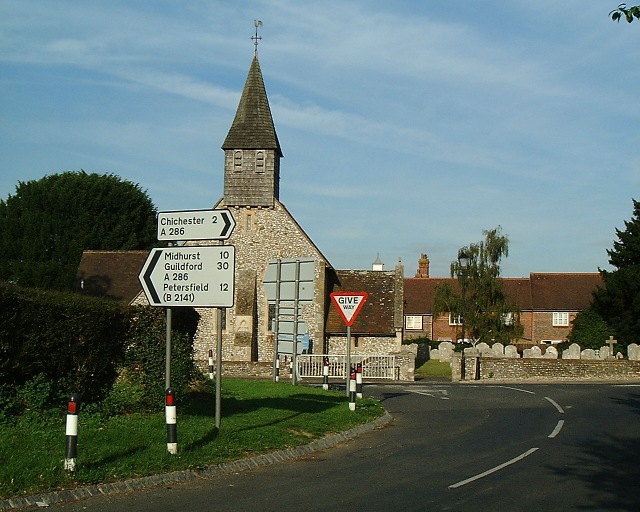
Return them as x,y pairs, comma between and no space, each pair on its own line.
349,304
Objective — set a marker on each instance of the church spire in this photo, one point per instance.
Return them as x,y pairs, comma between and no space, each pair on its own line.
253,126
252,150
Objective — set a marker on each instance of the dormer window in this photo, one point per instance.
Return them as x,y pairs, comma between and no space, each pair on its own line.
260,161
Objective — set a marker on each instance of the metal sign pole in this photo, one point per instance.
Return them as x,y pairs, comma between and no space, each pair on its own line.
167,372
296,296
277,322
218,367
348,361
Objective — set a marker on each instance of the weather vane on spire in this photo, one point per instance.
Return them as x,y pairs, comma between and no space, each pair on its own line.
256,38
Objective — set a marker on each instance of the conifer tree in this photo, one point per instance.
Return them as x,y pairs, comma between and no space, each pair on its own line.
618,301
47,223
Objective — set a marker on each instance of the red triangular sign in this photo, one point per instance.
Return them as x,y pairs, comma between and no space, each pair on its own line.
349,304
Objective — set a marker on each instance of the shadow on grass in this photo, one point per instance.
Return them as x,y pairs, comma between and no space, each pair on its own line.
202,403
608,465
112,458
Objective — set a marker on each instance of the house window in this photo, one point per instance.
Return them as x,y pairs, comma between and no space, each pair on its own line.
508,319
413,322
455,320
560,319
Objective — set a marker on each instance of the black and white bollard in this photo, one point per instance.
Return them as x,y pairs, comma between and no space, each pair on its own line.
325,373
211,371
71,451
352,390
277,368
359,380
171,417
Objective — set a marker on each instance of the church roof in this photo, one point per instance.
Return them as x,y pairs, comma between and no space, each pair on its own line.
253,127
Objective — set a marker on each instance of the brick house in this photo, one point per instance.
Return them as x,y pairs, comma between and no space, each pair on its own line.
548,302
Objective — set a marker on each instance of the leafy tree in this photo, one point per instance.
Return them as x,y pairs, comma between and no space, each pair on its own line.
618,302
589,330
625,12
486,311
47,223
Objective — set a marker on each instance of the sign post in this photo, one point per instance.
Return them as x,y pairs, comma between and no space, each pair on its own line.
195,276
349,305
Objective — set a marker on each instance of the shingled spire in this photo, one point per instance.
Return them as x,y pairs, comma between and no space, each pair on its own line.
252,150
253,126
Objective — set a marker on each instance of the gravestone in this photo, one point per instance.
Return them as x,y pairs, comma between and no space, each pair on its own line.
603,353
573,352
483,349
498,349
511,351
611,342
588,353
551,353
533,352
633,352
444,352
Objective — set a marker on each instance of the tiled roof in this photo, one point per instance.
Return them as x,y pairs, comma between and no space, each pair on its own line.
377,314
539,292
110,274
563,292
253,127
419,293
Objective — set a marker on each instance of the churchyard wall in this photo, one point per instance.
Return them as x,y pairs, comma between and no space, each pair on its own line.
502,363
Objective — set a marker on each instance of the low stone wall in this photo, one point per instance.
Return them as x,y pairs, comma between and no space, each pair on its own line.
545,369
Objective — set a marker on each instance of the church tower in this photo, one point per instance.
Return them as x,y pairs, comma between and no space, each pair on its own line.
252,150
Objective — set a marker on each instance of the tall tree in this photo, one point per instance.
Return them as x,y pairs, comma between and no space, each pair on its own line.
618,301
486,311
624,12
47,223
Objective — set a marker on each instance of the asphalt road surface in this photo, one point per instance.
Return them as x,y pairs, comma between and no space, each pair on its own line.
460,447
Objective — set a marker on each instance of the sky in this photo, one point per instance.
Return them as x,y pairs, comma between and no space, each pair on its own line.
407,127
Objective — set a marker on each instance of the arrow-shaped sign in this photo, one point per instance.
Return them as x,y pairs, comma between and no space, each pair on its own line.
349,304
195,225
198,276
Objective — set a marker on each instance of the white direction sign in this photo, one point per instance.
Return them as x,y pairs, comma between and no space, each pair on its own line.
190,276
195,225
349,304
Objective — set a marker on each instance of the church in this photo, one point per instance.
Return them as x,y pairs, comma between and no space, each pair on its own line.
267,236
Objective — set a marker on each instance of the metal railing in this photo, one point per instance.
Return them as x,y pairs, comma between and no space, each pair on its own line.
373,366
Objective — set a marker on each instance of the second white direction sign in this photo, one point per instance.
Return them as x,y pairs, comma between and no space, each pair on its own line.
190,276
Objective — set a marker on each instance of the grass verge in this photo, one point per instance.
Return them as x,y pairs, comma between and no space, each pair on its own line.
434,368
257,417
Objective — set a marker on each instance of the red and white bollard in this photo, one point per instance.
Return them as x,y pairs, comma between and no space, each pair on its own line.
211,372
71,450
359,380
171,418
325,373
352,390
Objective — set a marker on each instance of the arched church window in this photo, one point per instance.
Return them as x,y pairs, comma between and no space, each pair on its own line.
260,161
237,161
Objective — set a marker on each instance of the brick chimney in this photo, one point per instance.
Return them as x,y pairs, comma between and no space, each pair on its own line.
423,266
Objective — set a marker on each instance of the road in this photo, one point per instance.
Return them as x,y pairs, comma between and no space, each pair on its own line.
450,447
